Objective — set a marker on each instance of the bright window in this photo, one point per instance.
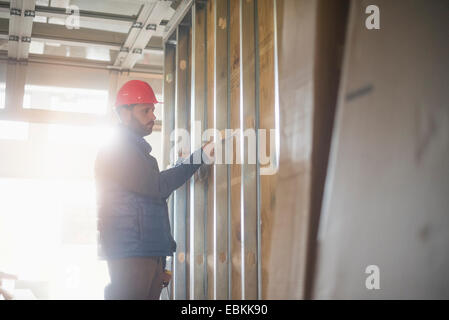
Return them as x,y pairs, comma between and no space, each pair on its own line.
48,235
48,230
2,95
13,130
65,99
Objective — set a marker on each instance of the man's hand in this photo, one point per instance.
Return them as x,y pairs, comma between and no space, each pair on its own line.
3,292
209,150
166,277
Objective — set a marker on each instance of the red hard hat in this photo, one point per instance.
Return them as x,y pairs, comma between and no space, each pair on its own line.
135,92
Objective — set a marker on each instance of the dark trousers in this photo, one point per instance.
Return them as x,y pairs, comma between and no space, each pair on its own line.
137,278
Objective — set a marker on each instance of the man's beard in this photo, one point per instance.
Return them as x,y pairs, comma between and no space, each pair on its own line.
141,129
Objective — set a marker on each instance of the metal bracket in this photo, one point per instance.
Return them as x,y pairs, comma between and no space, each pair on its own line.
138,25
151,26
30,13
15,12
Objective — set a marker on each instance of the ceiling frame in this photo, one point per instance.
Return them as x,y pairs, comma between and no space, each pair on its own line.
146,26
20,25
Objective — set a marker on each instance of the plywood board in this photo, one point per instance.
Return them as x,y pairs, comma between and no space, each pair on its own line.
168,122
265,11
289,224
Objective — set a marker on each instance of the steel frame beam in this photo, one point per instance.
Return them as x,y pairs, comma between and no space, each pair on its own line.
80,37
61,13
20,26
146,26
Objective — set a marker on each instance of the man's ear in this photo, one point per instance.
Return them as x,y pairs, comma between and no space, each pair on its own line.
124,115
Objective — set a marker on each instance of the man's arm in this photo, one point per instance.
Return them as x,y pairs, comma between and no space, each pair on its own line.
172,178
139,174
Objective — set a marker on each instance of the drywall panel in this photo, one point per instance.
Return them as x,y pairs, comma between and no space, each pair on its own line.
331,29
296,26
386,200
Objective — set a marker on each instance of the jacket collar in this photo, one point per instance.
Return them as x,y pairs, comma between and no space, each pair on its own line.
134,138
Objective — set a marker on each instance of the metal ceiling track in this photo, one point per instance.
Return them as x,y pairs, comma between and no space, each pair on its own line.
147,25
20,25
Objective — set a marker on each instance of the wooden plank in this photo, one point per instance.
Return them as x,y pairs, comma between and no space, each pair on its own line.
249,171
180,195
210,17
221,170
296,20
198,188
168,125
236,239
266,122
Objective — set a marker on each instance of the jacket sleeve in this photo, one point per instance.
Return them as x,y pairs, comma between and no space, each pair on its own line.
141,174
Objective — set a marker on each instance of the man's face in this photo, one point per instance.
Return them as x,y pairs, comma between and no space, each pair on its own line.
140,118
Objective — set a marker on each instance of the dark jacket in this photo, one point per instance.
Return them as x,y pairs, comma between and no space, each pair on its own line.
132,198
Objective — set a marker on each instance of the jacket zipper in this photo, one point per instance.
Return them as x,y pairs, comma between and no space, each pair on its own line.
140,223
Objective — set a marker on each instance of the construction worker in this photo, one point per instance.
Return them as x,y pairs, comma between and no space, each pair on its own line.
133,223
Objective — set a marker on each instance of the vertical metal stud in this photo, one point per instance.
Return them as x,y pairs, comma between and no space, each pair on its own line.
221,170
257,124
249,171
210,61
168,121
180,195
198,188
235,168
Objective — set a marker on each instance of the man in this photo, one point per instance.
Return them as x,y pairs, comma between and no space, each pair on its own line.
132,194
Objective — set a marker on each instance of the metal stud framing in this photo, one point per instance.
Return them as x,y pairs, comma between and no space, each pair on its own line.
180,195
198,186
224,228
